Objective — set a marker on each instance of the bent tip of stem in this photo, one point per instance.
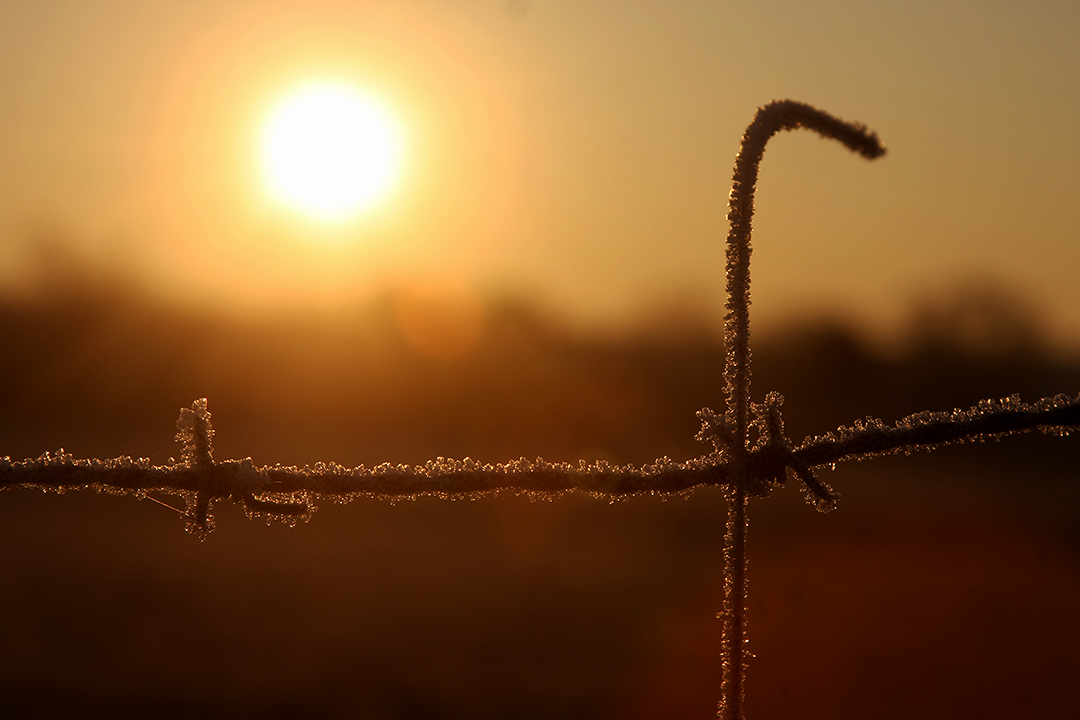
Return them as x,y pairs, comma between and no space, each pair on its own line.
867,143
792,114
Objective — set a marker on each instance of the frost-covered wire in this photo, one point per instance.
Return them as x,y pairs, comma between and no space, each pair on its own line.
290,492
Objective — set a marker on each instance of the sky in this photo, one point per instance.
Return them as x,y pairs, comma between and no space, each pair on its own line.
578,153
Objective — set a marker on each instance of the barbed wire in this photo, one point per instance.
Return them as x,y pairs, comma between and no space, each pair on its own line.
289,493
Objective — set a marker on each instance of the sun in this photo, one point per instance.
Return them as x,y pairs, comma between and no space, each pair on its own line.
330,151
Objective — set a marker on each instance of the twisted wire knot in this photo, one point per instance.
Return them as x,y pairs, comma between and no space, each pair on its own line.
765,464
235,479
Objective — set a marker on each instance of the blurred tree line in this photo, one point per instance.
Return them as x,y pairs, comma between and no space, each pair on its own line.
97,364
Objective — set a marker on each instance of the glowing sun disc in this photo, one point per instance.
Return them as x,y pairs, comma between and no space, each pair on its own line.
329,151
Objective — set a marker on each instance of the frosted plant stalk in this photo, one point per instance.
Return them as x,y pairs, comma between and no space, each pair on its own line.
769,120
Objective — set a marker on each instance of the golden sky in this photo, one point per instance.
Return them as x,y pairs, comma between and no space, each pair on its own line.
578,151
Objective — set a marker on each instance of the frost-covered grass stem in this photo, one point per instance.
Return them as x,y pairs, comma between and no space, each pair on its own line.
769,120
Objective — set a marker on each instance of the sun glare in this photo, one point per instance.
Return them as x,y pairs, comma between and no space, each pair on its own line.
330,152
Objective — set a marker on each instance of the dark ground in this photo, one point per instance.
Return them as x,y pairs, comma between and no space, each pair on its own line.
945,585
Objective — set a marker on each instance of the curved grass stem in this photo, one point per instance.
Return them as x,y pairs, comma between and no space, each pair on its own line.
734,615
769,120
